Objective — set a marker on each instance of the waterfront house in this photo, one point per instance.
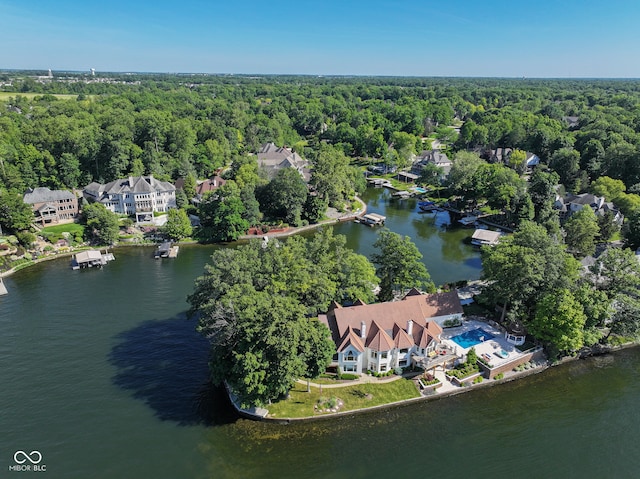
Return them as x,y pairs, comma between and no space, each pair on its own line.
569,204
434,157
138,196
380,337
502,155
51,206
273,158
202,187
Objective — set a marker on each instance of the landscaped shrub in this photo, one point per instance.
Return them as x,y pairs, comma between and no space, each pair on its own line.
477,380
398,371
430,379
472,356
26,238
348,376
452,323
463,370
484,361
498,376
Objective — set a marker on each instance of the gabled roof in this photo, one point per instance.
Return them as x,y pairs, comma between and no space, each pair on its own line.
422,337
401,339
378,339
584,199
386,323
46,207
433,156
43,194
353,340
272,155
413,292
132,184
211,184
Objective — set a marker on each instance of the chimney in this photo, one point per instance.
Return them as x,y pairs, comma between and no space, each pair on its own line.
363,330
410,327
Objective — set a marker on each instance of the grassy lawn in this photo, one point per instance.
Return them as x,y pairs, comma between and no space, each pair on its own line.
300,402
73,228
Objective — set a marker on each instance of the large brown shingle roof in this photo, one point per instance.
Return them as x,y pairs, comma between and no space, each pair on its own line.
386,323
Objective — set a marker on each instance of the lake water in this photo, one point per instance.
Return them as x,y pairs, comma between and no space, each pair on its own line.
103,375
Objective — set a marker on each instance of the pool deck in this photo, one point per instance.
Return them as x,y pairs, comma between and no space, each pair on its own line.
489,350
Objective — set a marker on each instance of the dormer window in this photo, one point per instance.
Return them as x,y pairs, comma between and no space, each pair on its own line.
350,356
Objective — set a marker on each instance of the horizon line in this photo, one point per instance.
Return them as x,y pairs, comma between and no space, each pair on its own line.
316,75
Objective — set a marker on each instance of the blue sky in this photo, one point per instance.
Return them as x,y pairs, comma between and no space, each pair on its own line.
503,38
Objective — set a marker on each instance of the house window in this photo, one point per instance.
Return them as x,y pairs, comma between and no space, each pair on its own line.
383,368
404,350
374,354
349,368
383,355
350,356
402,363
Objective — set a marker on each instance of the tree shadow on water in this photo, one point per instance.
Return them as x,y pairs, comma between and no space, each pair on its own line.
164,364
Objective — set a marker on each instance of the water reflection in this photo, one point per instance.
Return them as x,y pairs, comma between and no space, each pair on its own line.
164,364
447,257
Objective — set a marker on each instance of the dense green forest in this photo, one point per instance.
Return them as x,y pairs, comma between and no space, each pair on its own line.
70,130
173,125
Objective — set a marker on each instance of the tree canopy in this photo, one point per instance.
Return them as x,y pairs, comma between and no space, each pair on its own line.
254,303
399,265
103,226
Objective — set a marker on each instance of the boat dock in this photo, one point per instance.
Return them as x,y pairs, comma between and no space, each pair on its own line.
91,258
373,219
379,182
166,250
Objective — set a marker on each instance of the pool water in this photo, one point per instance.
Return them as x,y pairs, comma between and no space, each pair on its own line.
471,338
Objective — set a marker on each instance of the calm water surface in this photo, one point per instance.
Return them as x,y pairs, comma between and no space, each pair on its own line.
101,372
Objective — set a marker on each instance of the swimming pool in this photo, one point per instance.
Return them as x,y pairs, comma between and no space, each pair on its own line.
419,189
471,338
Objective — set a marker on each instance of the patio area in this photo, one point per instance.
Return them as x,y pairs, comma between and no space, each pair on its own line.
493,347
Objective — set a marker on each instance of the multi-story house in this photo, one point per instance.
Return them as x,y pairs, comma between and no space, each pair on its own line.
273,158
380,337
51,206
138,196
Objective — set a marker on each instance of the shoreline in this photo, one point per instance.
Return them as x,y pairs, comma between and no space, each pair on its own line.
280,234
515,376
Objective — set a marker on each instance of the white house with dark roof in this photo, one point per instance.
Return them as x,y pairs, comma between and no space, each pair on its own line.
138,196
501,155
273,158
380,337
51,206
434,157
570,204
